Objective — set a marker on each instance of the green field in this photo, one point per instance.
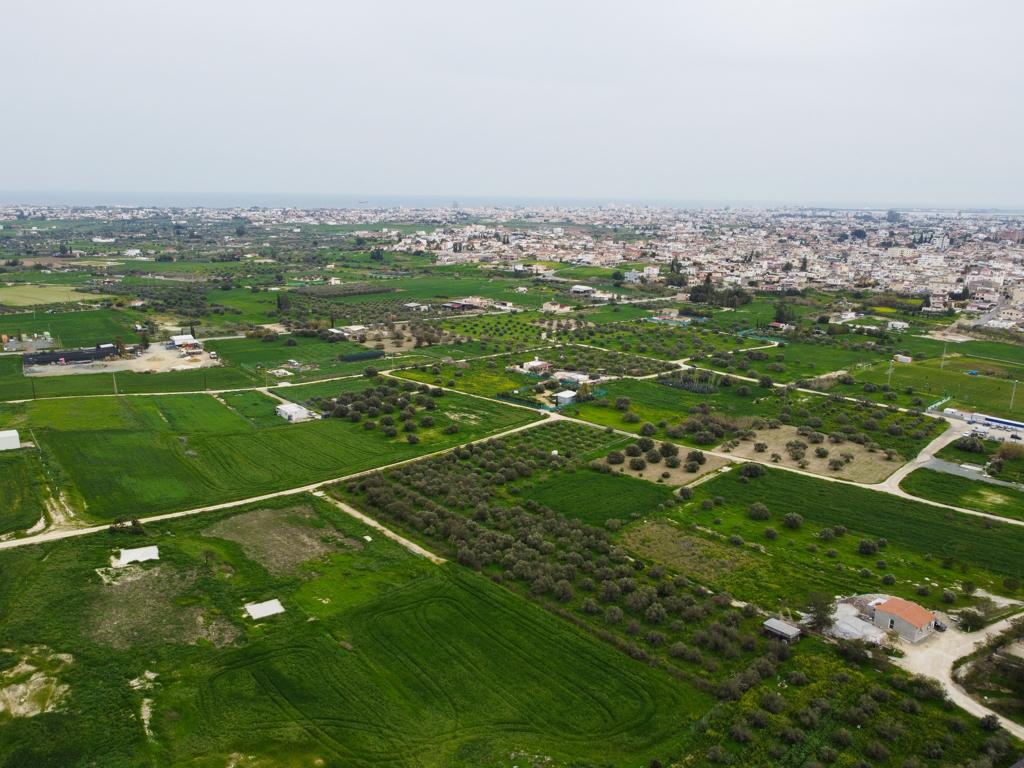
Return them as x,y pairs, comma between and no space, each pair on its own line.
964,492
23,489
926,546
795,360
85,328
594,497
29,295
175,452
15,386
380,658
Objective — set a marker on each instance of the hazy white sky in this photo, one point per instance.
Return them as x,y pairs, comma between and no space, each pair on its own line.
823,101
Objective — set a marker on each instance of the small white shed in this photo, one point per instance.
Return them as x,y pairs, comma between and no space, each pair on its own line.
264,609
564,397
9,440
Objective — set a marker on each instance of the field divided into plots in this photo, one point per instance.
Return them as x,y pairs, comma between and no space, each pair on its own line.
138,456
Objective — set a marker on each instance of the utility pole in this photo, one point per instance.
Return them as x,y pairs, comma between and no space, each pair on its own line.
1013,394
943,363
888,382
114,376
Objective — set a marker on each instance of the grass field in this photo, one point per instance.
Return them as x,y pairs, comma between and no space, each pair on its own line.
23,489
593,497
1003,459
175,452
30,295
963,492
926,546
379,659
973,393
85,328
795,360
15,386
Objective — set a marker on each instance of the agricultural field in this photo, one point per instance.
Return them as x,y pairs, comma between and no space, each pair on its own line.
594,498
772,700
913,550
486,377
83,328
176,452
23,488
35,295
705,409
966,492
15,386
156,664
313,357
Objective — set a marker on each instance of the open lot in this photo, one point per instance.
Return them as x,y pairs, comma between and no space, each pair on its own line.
29,295
964,492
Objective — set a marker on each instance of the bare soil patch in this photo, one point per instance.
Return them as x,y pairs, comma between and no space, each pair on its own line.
32,685
666,543
677,476
281,539
156,359
144,606
865,467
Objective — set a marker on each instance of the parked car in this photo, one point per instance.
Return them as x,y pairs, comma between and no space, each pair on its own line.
939,626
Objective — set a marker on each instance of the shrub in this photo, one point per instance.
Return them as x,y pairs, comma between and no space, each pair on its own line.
758,511
792,520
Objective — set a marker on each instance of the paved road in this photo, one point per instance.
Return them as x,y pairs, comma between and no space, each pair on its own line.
952,468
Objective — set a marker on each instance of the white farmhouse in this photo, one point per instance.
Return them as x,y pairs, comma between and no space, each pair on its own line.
294,412
909,620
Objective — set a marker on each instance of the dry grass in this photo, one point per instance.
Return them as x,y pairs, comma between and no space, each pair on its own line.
703,559
143,608
866,467
280,539
677,476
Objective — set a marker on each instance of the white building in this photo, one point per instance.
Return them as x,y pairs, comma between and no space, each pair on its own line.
565,397
9,440
909,620
294,412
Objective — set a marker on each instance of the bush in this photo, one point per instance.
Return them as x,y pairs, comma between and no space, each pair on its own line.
792,520
637,464
751,470
758,511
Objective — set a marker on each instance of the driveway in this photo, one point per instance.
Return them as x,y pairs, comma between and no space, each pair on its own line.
934,657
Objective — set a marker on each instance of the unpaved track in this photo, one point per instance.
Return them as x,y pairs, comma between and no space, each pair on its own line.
69,533
412,546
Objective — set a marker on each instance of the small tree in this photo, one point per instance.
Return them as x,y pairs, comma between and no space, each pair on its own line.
822,611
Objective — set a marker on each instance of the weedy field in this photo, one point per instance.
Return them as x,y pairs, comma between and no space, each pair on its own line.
159,665
843,541
85,328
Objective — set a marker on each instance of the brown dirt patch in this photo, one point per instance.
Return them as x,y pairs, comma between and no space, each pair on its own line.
281,539
704,559
32,685
677,476
866,467
146,607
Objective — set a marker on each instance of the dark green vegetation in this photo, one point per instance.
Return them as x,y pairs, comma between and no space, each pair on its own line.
965,492
925,549
595,498
777,705
23,490
338,678
137,456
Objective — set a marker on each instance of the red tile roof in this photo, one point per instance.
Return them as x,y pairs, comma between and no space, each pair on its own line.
912,613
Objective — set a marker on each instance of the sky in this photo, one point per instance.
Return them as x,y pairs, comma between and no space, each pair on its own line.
873,102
